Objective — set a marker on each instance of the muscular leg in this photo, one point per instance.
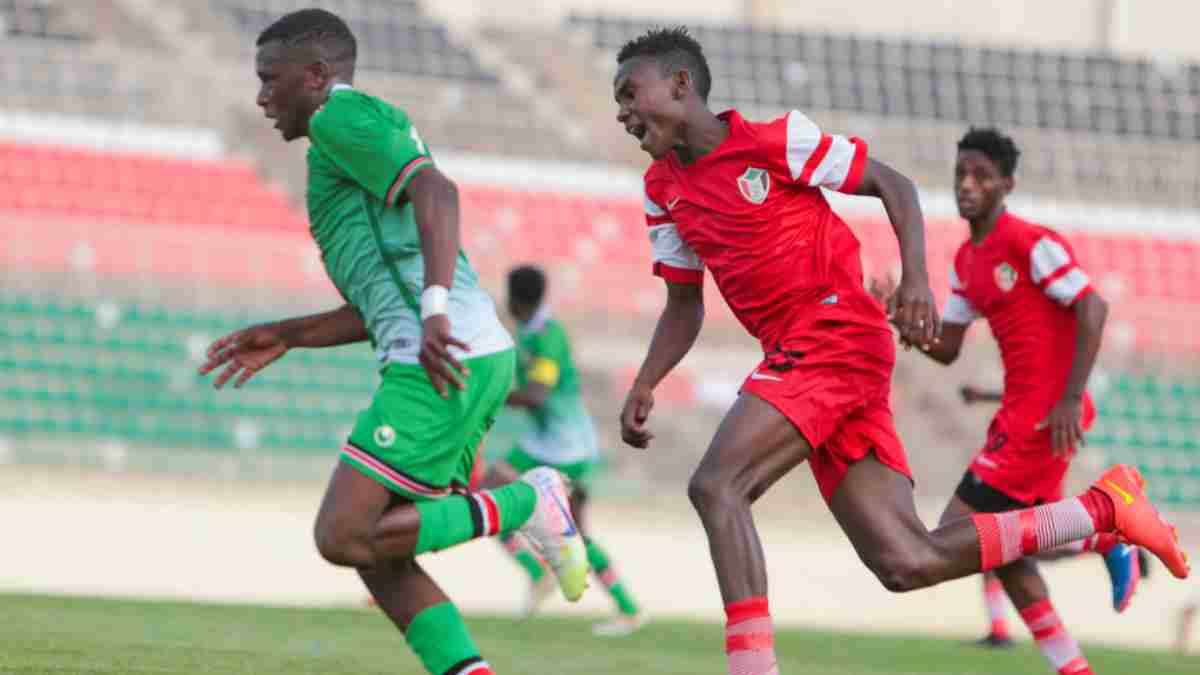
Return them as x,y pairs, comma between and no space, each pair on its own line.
352,505
1021,579
875,508
402,589
354,530
753,448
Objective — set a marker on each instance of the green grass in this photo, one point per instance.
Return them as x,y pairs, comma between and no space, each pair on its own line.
61,635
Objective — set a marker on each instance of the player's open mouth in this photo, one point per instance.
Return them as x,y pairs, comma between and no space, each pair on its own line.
638,131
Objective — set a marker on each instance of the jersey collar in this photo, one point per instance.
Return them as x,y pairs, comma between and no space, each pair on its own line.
538,320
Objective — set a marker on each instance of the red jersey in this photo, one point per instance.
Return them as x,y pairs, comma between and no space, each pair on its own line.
752,213
1023,279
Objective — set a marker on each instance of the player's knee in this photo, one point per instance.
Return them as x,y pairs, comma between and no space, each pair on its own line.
709,491
338,546
901,570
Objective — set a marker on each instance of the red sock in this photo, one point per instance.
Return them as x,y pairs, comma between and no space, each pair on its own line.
750,638
995,599
1052,638
1005,537
1100,507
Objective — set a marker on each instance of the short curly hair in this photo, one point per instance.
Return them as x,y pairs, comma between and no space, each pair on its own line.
996,146
675,49
313,27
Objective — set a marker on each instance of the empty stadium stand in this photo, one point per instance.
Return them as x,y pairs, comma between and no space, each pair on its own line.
1095,92
393,36
1091,125
128,187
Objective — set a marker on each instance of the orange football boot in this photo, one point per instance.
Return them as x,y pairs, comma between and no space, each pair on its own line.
1138,522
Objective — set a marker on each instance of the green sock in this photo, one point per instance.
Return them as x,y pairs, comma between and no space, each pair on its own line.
524,557
603,568
438,636
451,521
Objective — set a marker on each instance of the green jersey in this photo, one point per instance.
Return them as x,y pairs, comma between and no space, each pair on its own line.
364,153
563,428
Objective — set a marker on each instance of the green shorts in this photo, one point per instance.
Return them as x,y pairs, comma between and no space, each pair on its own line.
578,472
418,444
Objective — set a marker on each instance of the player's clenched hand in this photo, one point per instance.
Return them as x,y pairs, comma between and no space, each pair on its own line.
1065,423
913,310
638,404
443,369
247,351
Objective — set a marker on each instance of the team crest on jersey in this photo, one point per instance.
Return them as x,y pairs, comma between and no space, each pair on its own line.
754,185
1006,276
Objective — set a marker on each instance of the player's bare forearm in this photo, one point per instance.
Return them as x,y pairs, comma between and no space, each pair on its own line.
676,332
435,205
1091,311
341,326
899,197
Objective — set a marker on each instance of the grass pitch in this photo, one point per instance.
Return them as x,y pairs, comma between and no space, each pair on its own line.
61,635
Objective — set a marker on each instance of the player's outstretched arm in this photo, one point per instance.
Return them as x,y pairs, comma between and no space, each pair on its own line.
677,329
912,306
435,206
1065,420
249,350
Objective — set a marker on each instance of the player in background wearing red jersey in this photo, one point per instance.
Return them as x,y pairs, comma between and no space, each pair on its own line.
1048,320
1119,567
743,200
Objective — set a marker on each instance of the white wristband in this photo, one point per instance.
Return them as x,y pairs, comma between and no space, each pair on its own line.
434,301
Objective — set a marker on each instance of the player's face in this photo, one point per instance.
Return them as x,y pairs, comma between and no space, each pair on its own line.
290,90
520,311
978,184
650,105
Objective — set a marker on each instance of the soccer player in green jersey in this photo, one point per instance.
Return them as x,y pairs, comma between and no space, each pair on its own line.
386,222
562,437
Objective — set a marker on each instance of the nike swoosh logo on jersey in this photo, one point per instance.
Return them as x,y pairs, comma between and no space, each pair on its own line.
1124,495
760,376
671,204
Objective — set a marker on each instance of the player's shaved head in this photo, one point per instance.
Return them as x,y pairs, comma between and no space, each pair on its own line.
995,146
675,50
323,33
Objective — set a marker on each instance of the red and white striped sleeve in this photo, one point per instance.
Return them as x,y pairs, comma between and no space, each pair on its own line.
1054,269
674,260
818,159
959,309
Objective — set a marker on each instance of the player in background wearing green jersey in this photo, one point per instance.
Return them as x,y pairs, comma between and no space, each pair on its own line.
563,437
386,222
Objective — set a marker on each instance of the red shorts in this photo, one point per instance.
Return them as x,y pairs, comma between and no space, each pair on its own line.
842,409
1020,461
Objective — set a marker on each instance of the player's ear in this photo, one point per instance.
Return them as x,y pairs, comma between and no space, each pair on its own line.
682,82
1010,183
318,75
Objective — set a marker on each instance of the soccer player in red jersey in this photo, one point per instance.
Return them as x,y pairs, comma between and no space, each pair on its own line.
1048,320
1126,565
743,200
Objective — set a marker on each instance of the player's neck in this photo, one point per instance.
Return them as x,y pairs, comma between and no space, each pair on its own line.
984,226
701,137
